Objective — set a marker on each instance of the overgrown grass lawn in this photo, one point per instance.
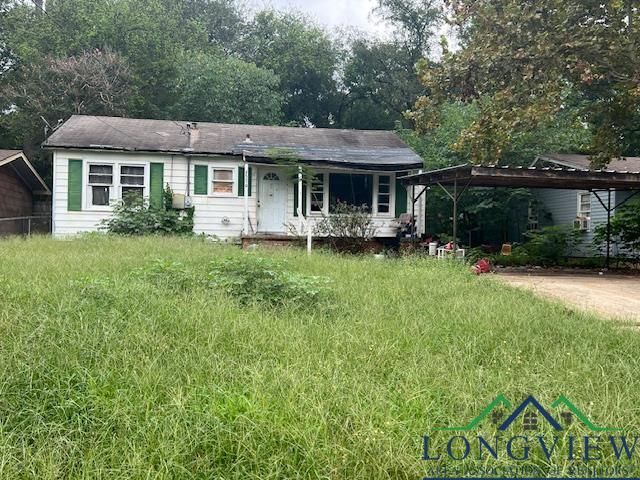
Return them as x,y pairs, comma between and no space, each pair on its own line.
107,372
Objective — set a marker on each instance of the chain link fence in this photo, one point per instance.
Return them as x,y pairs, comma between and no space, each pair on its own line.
35,224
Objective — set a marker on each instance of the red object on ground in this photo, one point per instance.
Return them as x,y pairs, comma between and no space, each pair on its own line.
483,266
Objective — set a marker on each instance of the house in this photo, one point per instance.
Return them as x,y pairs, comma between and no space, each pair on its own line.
581,208
23,195
231,174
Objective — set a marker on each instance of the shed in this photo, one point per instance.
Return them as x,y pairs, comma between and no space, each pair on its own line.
23,193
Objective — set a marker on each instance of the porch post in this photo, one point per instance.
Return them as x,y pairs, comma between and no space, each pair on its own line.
300,213
245,226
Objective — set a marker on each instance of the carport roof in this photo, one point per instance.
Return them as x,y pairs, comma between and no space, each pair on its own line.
527,177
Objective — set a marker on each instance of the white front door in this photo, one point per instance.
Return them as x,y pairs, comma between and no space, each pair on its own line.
273,202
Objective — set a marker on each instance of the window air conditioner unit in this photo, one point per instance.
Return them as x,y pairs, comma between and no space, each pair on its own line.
582,224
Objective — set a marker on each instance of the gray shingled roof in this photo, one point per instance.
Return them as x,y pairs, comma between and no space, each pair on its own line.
4,154
582,162
352,148
18,161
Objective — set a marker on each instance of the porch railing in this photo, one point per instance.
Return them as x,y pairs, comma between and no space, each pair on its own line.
25,225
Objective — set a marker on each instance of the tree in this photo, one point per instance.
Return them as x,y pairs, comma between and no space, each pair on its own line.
522,62
303,56
379,76
415,22
380,84
96,83
215,89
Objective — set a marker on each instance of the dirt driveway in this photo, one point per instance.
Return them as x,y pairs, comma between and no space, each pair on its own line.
611,296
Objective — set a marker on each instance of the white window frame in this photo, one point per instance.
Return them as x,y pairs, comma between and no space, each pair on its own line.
325,194
87,185
115,190
233,181
144,178
392,194
581,213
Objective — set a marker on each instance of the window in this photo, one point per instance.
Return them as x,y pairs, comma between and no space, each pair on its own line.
532,217
384,194
100,183
352,189
222,180
317,193
132,181
271,176
584,205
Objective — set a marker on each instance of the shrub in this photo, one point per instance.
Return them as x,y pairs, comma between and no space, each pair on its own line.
135,216
625,228
260,280
348,228
551,245
170,275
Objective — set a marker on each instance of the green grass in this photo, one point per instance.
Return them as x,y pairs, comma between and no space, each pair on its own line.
105,374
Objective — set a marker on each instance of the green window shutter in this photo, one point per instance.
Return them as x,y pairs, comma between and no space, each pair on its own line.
156,184
200,179
295,198
241,181
74,187
401,197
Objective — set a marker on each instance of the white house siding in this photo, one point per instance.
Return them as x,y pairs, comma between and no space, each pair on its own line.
219,215
562,205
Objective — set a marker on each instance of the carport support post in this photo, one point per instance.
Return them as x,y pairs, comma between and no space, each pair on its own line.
455,215
608,228
413,212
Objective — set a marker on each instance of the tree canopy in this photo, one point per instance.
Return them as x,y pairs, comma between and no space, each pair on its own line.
523,63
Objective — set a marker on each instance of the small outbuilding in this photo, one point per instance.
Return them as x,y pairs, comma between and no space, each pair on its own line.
24,196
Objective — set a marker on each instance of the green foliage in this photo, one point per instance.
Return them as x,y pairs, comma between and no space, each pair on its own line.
147,382
291,163
135,216
302,55
625,228
529,70
264,281
210,88
550,245
348,227
170,275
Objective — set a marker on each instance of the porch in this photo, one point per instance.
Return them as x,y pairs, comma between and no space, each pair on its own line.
287,201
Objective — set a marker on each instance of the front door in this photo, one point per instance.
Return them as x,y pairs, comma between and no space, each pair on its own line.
273,202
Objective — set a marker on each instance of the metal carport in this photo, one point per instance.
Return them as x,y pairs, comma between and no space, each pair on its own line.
461,177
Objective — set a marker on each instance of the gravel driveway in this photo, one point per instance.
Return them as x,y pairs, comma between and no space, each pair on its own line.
611,296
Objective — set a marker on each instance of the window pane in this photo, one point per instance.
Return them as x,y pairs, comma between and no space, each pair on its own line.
131,192
100,179
384,188
100,195
132,171
383,198
384,180
352,189
105,169
383,208
127,180
223,187
223,175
